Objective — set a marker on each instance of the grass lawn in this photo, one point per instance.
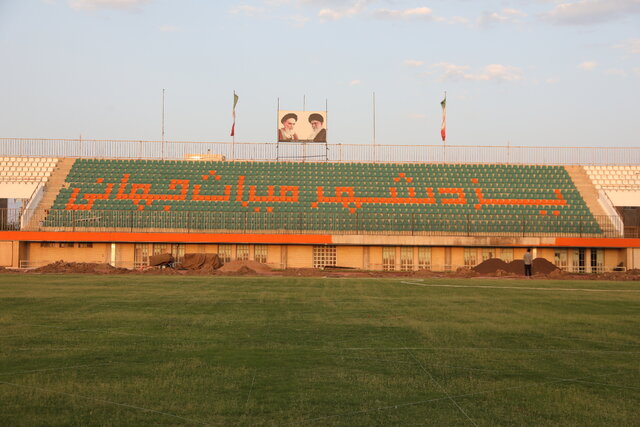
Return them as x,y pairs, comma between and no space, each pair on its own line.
166,350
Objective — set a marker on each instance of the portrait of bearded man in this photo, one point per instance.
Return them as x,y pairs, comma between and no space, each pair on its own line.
287,132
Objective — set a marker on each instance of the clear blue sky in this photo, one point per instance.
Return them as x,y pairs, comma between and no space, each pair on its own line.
528,72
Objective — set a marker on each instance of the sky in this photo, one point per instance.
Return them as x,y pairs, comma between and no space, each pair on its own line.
519,72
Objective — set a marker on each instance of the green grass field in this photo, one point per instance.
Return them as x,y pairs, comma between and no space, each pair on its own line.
166,350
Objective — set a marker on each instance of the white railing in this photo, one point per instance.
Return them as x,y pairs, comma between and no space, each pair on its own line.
33,203
611,211
271,151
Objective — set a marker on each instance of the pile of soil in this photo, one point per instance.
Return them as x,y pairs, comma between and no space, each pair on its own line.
465,272
491,266
498,267
245,267
160,259
201,262
539,266
210,264
79,267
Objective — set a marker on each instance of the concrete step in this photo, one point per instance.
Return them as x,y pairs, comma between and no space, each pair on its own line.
51,191
590,195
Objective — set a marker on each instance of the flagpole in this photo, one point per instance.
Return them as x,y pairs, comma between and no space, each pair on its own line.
375,155
444,119
443,128
304,143
326,125
233,141
162,151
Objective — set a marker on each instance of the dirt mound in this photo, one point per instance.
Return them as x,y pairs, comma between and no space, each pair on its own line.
465,272
498,267
491,266
542,266
160,259
538,266
245,267
201,262
6,270
79,267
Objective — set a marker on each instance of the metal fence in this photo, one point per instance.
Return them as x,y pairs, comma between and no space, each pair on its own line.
361,223
271,151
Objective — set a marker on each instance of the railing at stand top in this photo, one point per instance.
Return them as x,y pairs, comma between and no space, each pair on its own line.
313,152
413,224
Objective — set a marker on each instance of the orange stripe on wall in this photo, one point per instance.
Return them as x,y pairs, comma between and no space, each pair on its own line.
594,242
83,236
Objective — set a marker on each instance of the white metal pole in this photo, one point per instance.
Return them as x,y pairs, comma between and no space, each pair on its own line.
162,151
375,154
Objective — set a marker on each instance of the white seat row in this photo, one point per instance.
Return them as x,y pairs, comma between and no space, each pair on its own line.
25,168
25,173
612,167
29,159
615,178
26,164
24,179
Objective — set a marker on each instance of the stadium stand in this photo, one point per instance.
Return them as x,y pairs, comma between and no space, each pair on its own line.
621,183
20,176
383,197
376,215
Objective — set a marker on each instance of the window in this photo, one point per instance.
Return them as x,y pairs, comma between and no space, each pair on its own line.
597,260
66,244
260,253
47,244
160,248
177,250
579,260
242,252
224,252
488,253
406,258
324,256
424,258
388,258
560,259
85,245
447,259
140,255
470,257
506,254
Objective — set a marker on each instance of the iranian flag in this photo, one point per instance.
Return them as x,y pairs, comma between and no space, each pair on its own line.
443,129
233,114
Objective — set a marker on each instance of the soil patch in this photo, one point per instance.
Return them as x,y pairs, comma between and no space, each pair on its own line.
79,267
206,264
498,267
491,266
201,262
245,267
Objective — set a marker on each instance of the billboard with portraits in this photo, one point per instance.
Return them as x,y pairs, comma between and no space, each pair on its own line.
302,126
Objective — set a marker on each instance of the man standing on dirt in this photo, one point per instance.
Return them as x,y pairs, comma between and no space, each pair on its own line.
527,262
